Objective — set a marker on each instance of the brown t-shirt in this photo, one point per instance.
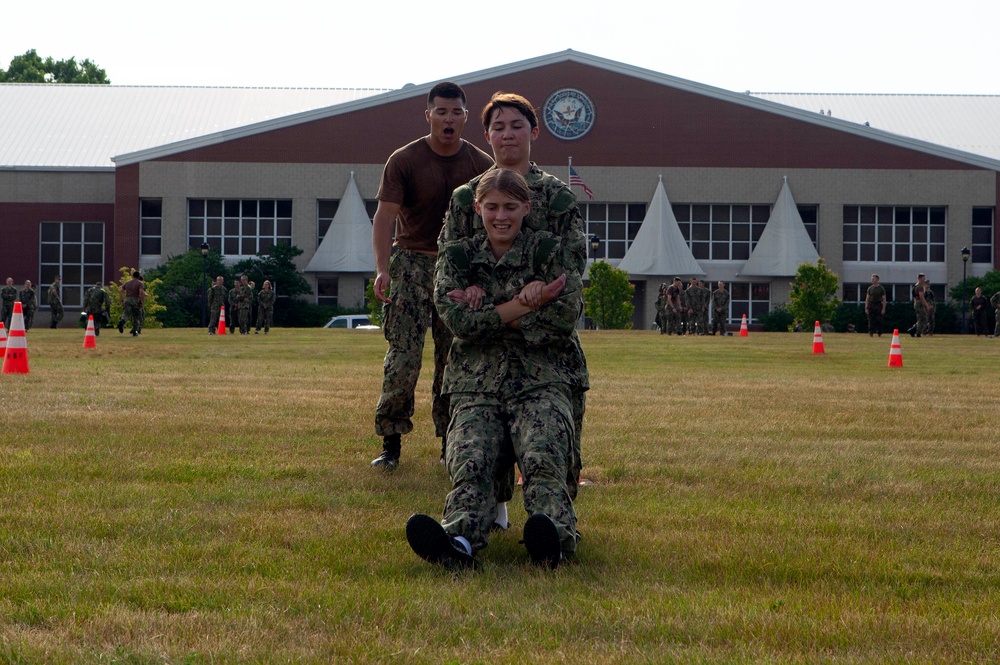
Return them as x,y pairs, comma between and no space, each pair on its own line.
134,288
421,181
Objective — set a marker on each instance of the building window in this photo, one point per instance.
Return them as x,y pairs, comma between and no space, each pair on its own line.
326,291
615,224
893,292
894,233
326,210
239,227
982,235
150,224
721,232
750,298
75,251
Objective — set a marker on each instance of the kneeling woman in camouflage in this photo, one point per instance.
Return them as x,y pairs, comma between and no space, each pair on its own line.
512,306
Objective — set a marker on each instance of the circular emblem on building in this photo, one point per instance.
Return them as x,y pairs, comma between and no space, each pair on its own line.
569,114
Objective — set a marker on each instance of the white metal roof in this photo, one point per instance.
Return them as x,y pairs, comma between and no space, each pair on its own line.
59,126
970,123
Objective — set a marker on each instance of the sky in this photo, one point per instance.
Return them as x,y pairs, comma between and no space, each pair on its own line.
854,46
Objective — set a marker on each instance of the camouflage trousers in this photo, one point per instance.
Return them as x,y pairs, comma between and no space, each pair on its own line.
57,314
8,312
719,321
996,330
213,321
265,318
921,311
540,424
875,319
673,319
133,311
700,321
404,323
244,315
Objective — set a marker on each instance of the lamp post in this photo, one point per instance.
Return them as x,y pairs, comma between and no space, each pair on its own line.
965,262
204,280
595,244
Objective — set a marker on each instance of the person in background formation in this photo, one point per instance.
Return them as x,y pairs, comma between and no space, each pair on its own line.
29,303
133,302
8,294
55,302
687,309
919,308
875,302
233,320
978,305
720,308
510,373
244,300
931,308
97,303
995,301
413,195
661,308
704,299
216,300
510,125
674,307
265,308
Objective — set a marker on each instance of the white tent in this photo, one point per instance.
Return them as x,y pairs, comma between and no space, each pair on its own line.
659,247
784,244
347,245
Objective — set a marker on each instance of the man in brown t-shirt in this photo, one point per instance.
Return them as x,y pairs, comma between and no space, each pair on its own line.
133,299
413,196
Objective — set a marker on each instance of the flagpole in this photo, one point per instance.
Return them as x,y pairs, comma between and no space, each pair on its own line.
569,178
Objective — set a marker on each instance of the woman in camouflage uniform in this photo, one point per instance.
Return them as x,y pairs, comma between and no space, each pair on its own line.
512,300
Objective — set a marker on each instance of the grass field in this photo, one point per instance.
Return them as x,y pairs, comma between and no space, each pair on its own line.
185,498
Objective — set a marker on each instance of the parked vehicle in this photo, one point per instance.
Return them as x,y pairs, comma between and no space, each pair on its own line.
353,321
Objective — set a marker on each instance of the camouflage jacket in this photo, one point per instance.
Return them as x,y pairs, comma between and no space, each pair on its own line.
27,298
553,209
245,297
234,297
266,298
720,299
54,297
217,296
8,294
96,301
995,300
486,355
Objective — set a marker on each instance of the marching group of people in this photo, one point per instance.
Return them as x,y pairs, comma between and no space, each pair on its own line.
490,255
239,302
684,311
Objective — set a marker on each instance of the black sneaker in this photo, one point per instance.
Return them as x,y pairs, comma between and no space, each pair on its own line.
428,539
386,462
541,539
121,326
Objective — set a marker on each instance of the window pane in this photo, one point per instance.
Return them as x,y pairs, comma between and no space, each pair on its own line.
72,232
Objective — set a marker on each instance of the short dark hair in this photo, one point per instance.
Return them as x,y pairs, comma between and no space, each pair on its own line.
136,274
510,100
446,90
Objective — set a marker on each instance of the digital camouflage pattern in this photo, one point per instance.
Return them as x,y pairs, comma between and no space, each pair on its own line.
265,309
8,294
554,210
995,301
496,373
404,324
28,305
720,310
55,304
672,310
216,299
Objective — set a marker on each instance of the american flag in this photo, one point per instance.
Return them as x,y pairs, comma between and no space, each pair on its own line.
575,179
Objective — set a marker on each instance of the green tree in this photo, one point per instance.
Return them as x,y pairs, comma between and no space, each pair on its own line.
31,68
990,284
374,304
152,307
180,288
814,294
609,297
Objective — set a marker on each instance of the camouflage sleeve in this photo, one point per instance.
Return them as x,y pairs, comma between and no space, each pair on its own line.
555,321
566,221
478,325
458,220
995,300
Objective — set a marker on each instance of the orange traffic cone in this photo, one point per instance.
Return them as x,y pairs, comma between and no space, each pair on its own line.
15,358
222,322
818,339
896,351
743,327
89,338
3,335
